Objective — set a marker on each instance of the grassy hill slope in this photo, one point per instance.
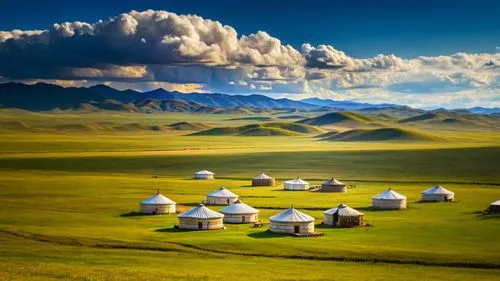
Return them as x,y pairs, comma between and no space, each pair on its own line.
383,134
335,118
266,129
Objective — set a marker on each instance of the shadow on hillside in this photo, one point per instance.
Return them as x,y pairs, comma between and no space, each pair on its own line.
172,230
485,215
432,202
176,229
139,214
489,216
325,226
133,214
265,234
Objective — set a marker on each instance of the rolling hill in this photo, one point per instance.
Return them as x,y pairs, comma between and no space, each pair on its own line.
335,118
266,129
391,111
189,126
382,134
116,127
444,117
14,125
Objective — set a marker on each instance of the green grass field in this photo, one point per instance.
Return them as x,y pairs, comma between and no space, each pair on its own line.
67,203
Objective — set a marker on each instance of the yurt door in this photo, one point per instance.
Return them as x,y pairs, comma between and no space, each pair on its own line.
242,218
200,225
296,229
335,219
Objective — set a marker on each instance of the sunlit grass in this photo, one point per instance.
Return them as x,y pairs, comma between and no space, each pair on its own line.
70,191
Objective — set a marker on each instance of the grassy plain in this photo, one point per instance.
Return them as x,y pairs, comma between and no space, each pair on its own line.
67,201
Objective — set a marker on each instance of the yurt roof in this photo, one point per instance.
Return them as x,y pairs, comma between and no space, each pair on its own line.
222,192
297,181
389,194
158,199
333,181
437,189
239,207
201,212
291,215
262,177
344,211
496,203
204,172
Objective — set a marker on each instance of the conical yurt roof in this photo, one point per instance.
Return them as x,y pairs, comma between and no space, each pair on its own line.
333,181
201,212
297,181
158,199
291,215
262,177
239,207
437,189
204,172
389,194
343,210
222,192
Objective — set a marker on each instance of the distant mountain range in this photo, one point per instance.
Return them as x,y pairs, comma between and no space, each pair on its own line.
345,105
46,97
483,110
43,97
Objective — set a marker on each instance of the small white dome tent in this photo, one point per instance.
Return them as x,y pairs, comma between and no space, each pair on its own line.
389,200
343,216
437,194
296,184
157,204
239,212
201,218
263,180
204,175
221,196
292,221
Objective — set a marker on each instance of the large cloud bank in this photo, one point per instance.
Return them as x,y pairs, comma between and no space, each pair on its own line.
153,48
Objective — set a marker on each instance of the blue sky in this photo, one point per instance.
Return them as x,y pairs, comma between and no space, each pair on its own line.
335,48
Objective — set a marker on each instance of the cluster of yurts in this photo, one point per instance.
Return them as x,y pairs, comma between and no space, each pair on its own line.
288,221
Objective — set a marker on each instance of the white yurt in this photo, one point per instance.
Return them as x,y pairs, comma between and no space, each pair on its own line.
494,207
239,212
204,175
201,218
343,216
437,194
157,204
296,184
263,180
390,200
292,221
221,196
333,185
